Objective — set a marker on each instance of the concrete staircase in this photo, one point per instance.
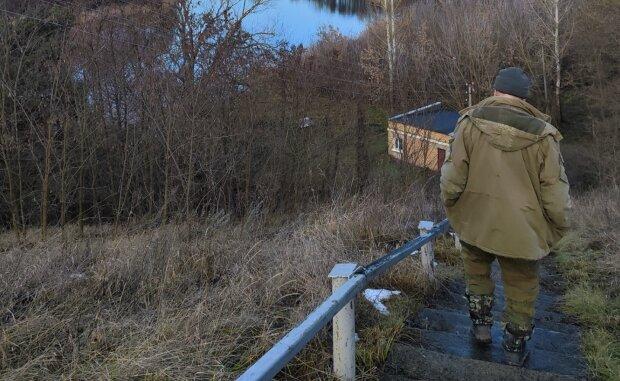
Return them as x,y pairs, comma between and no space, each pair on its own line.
437,344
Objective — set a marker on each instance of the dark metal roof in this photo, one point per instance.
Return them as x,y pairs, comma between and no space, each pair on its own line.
434,117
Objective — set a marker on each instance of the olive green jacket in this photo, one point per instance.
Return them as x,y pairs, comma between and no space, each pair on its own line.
503,182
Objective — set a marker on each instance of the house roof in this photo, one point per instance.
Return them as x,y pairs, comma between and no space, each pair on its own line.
434,117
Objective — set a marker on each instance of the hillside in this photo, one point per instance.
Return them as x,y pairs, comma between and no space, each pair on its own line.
176,183
187,301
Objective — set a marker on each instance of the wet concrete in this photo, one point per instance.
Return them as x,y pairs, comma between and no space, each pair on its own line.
442,332
460,324
407,362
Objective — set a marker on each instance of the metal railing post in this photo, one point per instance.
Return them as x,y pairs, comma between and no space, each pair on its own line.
348,282
427,255
457,242
344,326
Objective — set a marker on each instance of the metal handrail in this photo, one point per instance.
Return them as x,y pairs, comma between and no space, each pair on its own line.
293,342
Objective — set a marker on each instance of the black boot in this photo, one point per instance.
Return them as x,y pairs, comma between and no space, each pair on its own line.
514,345
482,333
480,307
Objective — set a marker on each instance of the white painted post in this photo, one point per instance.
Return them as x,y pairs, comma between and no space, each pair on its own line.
457,242
427,255
344,327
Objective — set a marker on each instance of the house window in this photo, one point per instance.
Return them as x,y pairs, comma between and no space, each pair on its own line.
398,144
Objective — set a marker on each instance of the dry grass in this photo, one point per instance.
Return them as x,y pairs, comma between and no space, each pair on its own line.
198,301
590,259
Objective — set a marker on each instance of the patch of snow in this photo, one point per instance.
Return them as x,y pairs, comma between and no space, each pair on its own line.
426,225
377,297
77,276
306,122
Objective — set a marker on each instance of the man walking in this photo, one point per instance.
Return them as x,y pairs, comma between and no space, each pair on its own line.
506,195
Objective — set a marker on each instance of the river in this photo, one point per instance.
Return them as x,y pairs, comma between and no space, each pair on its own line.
298,21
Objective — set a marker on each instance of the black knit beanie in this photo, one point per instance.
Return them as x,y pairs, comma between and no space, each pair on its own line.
513,81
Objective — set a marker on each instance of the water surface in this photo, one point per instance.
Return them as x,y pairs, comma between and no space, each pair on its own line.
299,21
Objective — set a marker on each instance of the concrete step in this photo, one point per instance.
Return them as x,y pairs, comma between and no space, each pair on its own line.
460,324
407,362
437,344
394,377
464,346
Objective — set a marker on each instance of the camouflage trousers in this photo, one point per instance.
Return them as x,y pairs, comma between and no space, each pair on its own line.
521,283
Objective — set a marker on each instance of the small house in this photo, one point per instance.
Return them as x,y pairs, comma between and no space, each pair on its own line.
420,137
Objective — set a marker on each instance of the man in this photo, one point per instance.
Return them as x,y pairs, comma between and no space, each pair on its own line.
506,195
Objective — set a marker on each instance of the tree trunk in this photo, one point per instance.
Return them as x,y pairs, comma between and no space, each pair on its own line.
63,179
46,180
248,169
545,85
391,49
9,178
361,167
82,164
190,173
558,66
167,164
127,168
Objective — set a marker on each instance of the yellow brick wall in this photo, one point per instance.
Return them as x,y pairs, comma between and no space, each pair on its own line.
419,146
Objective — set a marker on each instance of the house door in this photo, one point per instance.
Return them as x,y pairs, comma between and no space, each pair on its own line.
441,157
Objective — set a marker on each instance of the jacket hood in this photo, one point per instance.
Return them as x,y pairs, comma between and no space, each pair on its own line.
512,124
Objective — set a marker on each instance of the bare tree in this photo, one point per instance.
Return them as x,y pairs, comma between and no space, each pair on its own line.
554,34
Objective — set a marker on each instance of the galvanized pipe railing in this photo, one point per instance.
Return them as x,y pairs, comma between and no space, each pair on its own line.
352,280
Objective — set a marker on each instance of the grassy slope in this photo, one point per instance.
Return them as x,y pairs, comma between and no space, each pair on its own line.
185,302
182,302
590,259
